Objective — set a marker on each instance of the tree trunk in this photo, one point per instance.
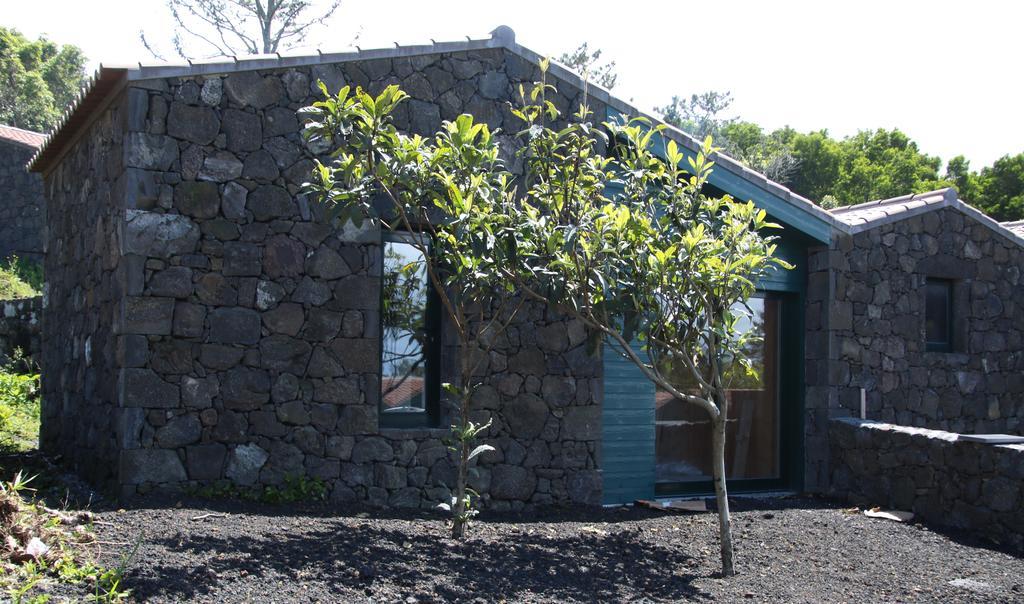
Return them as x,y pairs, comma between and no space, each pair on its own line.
459,511
460,508
721,494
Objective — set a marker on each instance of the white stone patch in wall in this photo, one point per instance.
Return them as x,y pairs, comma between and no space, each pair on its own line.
212,91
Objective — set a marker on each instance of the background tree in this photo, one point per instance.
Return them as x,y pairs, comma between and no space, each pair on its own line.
446,194
588,64
240,27
700,115
999,188
38,80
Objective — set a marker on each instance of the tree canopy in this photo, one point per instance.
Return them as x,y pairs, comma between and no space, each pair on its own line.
38,80
240,27
589,65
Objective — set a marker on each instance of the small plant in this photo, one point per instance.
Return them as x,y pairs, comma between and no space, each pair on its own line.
38,543
295,489
461,441
19,404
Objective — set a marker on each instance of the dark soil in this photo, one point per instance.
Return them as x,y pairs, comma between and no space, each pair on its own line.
788,550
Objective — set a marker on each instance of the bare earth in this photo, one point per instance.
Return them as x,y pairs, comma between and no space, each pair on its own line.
788,550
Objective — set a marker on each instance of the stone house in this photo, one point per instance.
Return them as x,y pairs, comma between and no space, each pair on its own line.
22,208
201,325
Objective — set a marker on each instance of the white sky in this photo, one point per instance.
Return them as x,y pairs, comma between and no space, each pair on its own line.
946,73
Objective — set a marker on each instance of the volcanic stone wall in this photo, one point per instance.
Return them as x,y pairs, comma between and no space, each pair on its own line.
20,328
871,330
22,205
249,331
950,482
83,298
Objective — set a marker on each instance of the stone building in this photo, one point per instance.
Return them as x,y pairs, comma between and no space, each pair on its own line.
202,325
22,208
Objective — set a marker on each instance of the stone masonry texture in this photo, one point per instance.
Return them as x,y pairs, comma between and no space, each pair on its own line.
22,205
213,330
865,325
950,482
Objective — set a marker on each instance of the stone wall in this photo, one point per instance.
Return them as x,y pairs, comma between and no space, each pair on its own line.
249,331
22,206
83,297
20,328
949,482
868,325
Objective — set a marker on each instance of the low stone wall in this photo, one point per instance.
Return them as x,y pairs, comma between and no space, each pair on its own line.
945,481
20,327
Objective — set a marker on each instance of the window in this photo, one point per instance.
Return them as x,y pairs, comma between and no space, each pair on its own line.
753,443
409,384
938,315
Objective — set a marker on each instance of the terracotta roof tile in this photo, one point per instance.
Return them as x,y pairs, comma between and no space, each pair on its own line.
22,137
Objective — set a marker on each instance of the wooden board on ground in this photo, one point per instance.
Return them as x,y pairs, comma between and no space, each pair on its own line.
678,505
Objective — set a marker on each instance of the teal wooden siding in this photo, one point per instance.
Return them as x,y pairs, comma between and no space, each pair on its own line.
627,433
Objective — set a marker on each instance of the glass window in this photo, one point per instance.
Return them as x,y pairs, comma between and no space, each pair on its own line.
409,388
938,315
683,430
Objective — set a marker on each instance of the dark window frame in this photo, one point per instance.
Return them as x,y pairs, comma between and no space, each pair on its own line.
947,345
430,417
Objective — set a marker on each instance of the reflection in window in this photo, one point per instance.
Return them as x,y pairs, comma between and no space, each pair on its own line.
938,315
683,430
406,334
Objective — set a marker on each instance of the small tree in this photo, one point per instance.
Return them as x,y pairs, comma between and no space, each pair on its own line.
241,27
446,194
627,243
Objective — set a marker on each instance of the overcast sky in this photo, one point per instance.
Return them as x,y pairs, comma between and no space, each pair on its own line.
947,73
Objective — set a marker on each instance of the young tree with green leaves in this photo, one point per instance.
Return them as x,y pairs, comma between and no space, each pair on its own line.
38,80
627,243
446,195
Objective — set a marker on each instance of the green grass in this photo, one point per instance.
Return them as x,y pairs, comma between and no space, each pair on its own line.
20,278
19,410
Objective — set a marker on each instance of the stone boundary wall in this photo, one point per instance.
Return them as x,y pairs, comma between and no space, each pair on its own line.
946,481
22,205
20,327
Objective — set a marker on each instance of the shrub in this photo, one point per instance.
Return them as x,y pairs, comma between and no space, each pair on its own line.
20,278
19,407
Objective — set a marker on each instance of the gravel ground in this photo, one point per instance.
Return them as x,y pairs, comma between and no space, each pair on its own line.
788,550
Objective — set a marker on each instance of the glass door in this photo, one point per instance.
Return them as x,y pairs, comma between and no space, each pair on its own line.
754,453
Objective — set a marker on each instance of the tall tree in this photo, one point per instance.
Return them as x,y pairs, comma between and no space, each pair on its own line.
589,65
630,246
1000,188
38,80
240,27
445,193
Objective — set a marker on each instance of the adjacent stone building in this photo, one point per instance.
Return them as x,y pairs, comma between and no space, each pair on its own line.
202,325
22,207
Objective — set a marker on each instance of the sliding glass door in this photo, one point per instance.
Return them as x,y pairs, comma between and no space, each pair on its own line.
758,400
